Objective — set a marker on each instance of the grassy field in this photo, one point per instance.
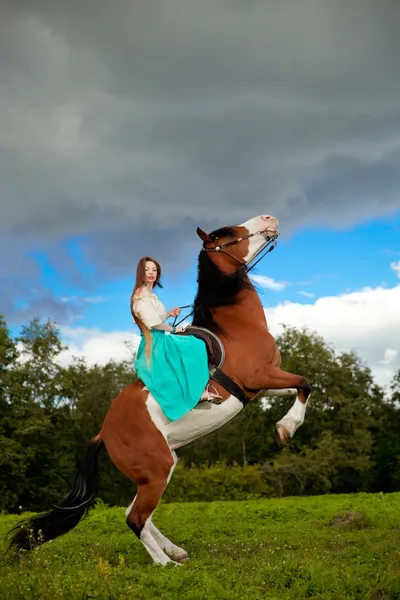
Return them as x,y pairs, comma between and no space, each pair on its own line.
261,549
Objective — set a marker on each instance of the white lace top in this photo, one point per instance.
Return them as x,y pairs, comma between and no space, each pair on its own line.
149,308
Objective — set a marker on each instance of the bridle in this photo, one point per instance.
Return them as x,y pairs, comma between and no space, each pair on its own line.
270,243
268,246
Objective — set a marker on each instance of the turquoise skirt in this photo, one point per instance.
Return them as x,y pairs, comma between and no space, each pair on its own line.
177,372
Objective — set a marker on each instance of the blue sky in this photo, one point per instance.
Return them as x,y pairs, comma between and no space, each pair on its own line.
318,261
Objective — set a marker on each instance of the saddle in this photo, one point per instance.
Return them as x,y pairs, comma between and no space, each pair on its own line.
216,358
214,346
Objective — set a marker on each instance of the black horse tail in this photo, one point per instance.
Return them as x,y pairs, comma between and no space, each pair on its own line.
67,514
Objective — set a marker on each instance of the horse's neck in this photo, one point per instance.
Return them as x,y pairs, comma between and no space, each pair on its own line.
250,306
223,303
253,302
248,311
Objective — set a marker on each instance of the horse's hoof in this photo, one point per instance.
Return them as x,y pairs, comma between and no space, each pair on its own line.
183,560
282,435
182,557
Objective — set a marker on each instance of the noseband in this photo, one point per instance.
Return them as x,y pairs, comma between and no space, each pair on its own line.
270,243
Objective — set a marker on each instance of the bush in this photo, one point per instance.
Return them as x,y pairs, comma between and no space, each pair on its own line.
217,482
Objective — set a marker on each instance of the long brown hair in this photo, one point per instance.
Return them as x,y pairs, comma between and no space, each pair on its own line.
140,279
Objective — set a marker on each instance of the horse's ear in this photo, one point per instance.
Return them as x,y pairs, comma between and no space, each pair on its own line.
203,235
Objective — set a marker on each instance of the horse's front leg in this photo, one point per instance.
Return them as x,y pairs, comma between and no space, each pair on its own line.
280,383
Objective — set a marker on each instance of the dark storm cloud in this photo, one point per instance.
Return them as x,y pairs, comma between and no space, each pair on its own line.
172,246
124,122
21,299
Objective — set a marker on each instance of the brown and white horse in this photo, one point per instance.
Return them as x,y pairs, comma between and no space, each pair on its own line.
141,441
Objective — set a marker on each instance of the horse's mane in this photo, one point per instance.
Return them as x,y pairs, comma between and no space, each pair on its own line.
216,288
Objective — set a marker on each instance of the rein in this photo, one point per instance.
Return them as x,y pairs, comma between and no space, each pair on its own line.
175,324
270,244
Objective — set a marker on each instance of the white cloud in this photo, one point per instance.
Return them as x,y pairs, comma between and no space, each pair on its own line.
367,321
396,267
389,357
96,346
305,294
88,299
271,284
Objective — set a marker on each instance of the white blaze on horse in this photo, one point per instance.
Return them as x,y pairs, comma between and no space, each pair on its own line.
244,364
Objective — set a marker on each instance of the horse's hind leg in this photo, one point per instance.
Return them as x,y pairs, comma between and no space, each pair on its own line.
138,449
176,553
139,517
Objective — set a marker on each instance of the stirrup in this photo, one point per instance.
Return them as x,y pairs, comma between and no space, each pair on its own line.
212,397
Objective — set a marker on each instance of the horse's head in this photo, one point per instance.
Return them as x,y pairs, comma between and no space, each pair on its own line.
239,243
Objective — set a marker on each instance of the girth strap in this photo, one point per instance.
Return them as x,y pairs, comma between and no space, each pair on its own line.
229,385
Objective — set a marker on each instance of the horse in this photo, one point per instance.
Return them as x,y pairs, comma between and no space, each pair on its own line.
141,441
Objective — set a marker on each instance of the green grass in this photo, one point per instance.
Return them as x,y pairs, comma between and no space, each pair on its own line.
261,549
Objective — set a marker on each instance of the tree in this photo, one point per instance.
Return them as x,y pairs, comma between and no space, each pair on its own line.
341,419
350,439
11,459
386,452
32,429
333,448
395,388
40,346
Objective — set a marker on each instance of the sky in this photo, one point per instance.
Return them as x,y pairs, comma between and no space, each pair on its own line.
124,125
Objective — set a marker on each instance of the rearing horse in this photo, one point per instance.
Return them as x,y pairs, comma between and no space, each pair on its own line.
141,441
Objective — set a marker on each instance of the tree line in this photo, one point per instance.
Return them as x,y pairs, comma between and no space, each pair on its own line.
349,442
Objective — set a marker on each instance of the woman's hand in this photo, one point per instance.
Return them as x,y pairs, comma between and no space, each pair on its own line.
175,312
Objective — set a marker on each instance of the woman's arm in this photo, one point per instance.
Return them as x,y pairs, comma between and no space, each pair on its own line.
175,312
166,327
151,317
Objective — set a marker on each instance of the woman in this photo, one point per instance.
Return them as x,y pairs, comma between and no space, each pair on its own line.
174,368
